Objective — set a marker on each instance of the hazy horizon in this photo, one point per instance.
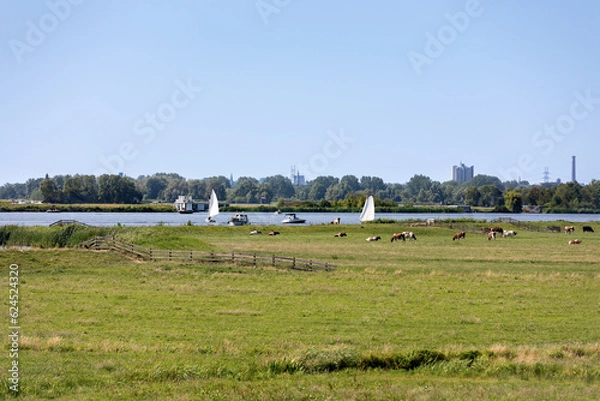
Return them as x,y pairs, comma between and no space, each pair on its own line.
252,88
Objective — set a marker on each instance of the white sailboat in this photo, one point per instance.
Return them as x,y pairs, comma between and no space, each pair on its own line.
213,207
368,212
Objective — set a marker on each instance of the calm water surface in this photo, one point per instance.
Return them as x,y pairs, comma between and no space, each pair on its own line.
256,218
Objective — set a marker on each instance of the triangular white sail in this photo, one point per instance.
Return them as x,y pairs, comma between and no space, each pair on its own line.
213,206
368,212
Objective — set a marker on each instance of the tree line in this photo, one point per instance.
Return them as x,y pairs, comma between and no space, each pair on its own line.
324,191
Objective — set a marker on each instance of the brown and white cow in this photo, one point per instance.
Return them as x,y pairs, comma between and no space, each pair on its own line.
459,235
574,242
403,236
375,238
491,235
339,235
508,233
397,237
569,229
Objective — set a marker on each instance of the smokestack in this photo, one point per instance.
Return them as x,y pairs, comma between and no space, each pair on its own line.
573,179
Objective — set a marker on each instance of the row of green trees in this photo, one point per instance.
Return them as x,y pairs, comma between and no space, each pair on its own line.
482,190
89,189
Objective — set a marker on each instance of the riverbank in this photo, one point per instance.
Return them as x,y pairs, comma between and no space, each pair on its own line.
7,206
86,207
168,207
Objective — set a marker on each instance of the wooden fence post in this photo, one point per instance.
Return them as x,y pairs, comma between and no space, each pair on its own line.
232,256
170,255
254,259
151,259
191,256
273,260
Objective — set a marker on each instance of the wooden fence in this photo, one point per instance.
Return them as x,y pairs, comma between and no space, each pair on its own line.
110,243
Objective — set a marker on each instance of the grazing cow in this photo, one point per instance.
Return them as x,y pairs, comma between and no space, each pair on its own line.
588,229
273,233
336,221
339,235
569,229
459,235
509,233
575,242
376,238
255,232
491,235
409,235
497,230
404,236
419,224
397,237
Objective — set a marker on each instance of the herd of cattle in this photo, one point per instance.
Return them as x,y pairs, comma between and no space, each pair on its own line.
490,232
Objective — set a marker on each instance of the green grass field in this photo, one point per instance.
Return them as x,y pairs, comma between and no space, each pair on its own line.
511,319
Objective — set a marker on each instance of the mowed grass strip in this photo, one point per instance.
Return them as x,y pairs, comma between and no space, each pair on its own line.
523,308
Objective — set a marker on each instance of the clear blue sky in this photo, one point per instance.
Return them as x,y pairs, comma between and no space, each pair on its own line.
387,89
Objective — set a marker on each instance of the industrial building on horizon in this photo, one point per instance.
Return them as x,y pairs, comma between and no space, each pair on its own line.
462,173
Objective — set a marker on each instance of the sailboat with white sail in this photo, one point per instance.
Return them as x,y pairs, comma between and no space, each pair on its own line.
368,212
213,207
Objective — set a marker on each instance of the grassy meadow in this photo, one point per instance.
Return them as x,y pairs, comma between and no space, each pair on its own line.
510,319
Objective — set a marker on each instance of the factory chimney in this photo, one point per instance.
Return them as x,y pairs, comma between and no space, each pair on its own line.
573,179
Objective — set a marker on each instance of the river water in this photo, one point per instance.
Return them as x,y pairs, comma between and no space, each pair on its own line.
257,218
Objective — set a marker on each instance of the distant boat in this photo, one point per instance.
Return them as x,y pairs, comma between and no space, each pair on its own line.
52,211
184,204
291,218
213,207
368,212
239,219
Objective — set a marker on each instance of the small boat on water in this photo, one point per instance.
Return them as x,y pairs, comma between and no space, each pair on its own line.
239,219
291,218
52,211
213,207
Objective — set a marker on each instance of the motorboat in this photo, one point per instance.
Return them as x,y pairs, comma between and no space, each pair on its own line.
291,218
239,219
